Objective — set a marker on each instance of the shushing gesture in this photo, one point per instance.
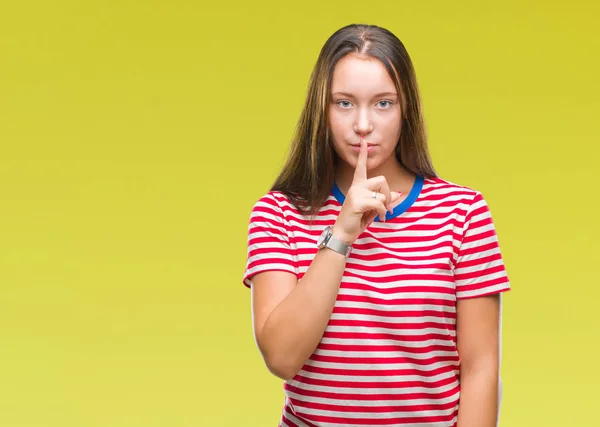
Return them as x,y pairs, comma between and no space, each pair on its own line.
366,199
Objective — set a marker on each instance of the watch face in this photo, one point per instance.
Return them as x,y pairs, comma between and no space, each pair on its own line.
323,237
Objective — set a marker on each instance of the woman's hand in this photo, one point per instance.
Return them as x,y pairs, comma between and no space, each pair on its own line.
366,199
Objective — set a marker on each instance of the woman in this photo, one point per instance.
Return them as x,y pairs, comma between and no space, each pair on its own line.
375,283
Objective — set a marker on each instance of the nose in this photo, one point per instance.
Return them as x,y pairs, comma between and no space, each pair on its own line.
363,124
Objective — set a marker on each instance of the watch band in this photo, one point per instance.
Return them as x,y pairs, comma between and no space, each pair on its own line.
327,240
338,246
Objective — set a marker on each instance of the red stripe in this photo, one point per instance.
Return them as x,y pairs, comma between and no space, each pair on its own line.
397,289
374,409
395,301
280,262
483,285
474,236
287,421
267,239
381,421
404,248
395,266
401,277
383,360
391,348
386,372
369,397
479,273
393,313
290,410
380,385
478,249
479,261
440,252
387,325
388,336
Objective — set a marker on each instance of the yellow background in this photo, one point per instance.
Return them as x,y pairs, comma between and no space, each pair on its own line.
136,135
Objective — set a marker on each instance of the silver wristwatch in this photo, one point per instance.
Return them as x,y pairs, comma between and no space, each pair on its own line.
327,240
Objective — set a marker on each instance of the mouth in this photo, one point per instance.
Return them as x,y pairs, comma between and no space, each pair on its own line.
370,147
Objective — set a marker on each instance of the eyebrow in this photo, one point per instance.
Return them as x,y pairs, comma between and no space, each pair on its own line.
349,95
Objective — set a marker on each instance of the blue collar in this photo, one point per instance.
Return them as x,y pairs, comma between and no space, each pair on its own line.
399,209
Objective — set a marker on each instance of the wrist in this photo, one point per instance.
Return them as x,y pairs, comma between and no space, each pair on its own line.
328,240
341,236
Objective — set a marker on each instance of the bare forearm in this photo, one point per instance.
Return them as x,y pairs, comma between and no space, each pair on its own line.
479,397
295,327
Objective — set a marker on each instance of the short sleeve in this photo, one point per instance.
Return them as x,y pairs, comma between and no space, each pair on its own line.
269,247
479,268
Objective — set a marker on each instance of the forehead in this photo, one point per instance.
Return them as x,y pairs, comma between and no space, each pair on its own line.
361,75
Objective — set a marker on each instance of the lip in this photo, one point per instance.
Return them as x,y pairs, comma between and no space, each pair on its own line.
370,147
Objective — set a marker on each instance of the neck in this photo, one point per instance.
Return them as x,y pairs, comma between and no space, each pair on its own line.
398,178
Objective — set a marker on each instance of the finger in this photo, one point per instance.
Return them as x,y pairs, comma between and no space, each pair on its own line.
385,189
377,196
396,196
369,218
379,183
360,172
381,198
376,205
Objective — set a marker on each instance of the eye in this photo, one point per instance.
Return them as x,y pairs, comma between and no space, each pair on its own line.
389,104
344,103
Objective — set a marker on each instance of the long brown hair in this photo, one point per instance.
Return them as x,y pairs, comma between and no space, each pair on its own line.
309,173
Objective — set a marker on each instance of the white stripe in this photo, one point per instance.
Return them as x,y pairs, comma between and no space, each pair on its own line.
398,308
398,403
392,331
384,354
479,267
377,341
483,278
264,267
486,290
384,366
377,415
395,295
378,378
399,320
366,390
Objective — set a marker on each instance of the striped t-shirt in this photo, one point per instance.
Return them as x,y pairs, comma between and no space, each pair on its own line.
389,354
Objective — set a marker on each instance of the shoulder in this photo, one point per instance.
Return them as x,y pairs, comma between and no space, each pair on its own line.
444,186
273,204
462,197
274,200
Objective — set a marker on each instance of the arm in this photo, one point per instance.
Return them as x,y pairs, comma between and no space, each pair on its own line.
289,318
480,277
478,347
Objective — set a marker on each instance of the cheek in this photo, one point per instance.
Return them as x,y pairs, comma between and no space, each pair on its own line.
391,130
393,124
336,123
337,130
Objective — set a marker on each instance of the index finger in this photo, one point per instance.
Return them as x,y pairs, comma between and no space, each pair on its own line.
360,172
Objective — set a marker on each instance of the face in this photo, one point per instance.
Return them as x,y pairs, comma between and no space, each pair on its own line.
364,101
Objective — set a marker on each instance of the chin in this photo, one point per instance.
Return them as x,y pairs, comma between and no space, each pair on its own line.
372,162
